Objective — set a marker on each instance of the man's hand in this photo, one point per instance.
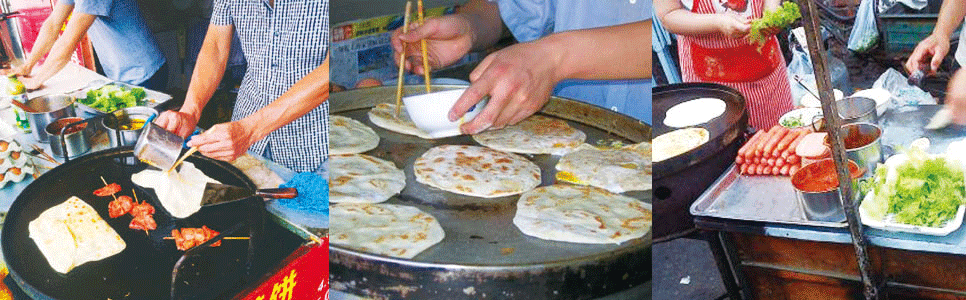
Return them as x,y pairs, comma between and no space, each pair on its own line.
448,38
22,70
930,50
733,26
518,80
31,83
225,141
180,123
956,97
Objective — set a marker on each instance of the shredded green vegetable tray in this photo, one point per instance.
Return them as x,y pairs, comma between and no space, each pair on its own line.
112,97
925,191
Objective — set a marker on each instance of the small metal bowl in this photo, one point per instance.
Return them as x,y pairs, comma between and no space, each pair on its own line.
76,141
128,136
822,204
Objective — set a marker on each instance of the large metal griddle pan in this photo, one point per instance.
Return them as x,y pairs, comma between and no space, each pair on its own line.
722,131
469,262
144,269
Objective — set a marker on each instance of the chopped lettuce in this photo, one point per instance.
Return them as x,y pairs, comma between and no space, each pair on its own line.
779,18
112,97
922,191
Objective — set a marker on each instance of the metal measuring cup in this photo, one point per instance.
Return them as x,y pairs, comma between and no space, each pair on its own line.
158,147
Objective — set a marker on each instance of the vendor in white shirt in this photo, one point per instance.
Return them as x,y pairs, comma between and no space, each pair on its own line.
935,47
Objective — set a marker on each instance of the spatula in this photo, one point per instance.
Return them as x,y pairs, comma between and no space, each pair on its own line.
216,194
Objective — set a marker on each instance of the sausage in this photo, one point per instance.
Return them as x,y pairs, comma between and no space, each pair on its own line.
793,169
773,141
779,162
760,170
770,162
784,170
785,142
750,144
759,147
794,159
776,170
739,159
794,144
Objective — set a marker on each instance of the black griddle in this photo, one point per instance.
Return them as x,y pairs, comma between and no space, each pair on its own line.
149,264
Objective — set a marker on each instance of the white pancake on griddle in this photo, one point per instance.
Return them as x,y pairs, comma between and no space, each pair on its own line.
581,214
534,135
476,171
617,170
72,233
384,229
361,178
347,136
384,115
678,142
694,112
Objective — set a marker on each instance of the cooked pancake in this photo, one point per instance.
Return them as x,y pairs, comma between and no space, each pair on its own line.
694,112
348,136
361,178
581,214
476,171
384,229
72,233
617,170
678,142
534,135
384,115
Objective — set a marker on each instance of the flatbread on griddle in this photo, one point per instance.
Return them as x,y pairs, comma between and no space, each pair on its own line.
694,112
258,172
581,214
476,171
347,136
384,115
361,178
72,233
617,170
534,135
678,142
384,229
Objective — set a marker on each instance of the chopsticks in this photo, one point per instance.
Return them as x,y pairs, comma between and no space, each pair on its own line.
422,44
402,57
45,155
183,157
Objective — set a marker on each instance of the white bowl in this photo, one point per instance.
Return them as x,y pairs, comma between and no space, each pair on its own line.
882,98
430,112
807,115
810,101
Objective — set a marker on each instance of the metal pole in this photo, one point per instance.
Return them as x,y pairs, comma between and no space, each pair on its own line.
810,20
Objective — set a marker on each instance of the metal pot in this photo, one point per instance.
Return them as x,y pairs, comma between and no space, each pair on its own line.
46,110
76,142
857,110
863,145
128,137
823,205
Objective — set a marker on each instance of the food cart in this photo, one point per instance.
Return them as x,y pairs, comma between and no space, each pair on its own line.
767,246
274,257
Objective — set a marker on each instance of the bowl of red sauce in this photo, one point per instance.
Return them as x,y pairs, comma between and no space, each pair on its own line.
817,189
71,139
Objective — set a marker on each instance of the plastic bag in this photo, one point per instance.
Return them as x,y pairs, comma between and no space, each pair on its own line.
903,93
864,32
800,67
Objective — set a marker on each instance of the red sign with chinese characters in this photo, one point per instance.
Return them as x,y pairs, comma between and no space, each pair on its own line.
304,276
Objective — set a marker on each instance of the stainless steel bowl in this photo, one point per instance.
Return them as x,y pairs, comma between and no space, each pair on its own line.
863,145
128,137
46,110
821,205
857,110
76,143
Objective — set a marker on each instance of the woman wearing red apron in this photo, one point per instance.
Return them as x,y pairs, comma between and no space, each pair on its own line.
712,48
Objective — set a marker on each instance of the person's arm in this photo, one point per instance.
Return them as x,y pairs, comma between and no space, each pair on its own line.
519,78
476,26
956,96
934,48
61,50
678,20
45,38
208,72
228,141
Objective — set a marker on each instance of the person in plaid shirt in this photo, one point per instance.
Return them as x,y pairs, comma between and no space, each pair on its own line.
281,110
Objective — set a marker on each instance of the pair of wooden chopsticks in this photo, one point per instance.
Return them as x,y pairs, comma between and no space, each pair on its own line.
402,56
45,155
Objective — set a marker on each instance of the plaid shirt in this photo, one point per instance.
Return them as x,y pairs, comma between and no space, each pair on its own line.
282,44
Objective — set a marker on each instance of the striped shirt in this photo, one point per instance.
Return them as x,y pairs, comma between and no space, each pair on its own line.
282,44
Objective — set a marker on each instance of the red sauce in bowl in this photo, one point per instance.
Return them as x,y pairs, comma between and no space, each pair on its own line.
54,128
821,177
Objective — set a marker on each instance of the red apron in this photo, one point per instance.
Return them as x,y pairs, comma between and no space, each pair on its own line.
759,74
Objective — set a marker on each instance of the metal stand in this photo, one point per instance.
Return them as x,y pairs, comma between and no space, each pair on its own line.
810,20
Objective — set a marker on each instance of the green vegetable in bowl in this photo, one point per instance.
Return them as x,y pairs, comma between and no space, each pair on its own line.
793,121
924,191
779,18
112,97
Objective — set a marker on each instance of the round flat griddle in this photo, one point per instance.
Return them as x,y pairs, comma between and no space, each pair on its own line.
144,269
484,255
722,130
679,180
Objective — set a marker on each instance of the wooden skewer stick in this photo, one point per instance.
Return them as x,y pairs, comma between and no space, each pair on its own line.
45,155
422,44
402,59
183,157
105,185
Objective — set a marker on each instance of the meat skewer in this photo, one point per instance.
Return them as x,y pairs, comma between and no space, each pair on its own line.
108,189
188,238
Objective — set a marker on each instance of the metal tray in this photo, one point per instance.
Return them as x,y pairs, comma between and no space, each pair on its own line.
754,198
471,259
